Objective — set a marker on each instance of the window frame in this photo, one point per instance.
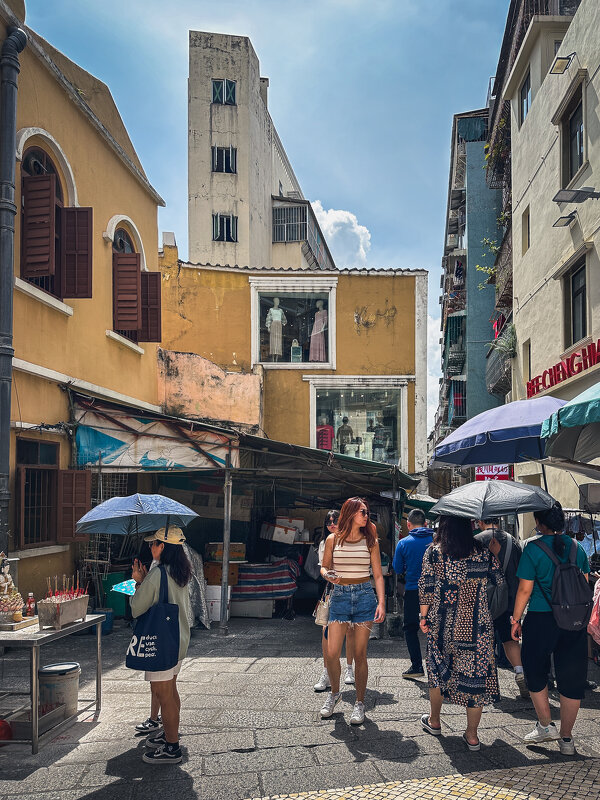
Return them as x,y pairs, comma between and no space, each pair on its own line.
324,382
220,228
216,150
573,97
525,100
525,230
227,96
281,285
579,267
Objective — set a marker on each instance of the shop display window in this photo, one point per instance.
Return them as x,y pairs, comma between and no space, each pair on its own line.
360,422
294,327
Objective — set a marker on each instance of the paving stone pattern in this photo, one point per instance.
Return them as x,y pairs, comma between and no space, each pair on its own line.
250,728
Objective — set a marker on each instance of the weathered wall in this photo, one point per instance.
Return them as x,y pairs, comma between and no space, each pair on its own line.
192,386
536,177
207,311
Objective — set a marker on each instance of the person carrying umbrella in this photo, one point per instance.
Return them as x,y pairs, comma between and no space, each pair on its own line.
166,547
497,541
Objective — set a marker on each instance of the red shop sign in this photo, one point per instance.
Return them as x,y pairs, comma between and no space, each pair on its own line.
567,368
493,472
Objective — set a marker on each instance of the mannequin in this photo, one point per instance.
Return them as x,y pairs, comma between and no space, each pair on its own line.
275,321
325,435
318,350
344,435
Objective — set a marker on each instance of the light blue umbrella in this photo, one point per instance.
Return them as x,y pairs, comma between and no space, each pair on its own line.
138,513
573,431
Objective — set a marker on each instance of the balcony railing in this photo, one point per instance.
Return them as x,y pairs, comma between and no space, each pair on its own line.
504,272
498,373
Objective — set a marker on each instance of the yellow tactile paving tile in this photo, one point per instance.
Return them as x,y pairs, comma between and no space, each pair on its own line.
579,780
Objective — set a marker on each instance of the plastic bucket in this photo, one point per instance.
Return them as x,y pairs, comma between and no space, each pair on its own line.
107,625
59,683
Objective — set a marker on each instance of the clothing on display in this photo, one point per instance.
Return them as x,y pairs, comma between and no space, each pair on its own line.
276,319
325,436
318,351
344,435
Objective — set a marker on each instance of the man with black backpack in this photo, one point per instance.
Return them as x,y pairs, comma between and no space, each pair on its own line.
502,598
553,579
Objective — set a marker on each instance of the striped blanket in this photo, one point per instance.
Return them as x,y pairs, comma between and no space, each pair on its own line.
276,581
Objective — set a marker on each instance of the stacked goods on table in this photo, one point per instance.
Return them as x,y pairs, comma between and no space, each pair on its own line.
213,551
63,606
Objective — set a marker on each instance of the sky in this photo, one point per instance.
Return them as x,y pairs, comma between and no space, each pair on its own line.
362,93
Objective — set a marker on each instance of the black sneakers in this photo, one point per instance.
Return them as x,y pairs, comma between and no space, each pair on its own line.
150,725
164,754
413,672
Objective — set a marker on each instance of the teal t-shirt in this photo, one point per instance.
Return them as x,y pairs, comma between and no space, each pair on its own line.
536,566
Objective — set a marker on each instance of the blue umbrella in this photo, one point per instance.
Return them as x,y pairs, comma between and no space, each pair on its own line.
138,513
508,434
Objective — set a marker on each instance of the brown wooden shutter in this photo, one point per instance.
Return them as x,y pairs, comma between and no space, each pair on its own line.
76,252
39,220
74,499
151,327
127,291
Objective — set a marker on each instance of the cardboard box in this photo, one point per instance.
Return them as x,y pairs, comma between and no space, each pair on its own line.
214,610
290,522
278,533
214,593
213,570
213,551
260,609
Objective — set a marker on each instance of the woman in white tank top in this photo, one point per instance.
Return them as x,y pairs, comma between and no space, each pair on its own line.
351,554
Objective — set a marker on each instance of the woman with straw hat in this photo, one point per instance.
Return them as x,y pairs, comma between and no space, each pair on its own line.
166,547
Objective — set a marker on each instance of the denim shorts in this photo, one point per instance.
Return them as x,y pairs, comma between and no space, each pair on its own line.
353,602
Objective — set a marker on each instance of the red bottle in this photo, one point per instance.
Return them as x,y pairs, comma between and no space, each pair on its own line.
30,605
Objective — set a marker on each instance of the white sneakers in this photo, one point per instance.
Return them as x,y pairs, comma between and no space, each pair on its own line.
358,714
330,704
349,675
542,734
550,734
323,683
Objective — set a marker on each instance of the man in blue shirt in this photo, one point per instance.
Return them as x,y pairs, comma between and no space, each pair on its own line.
408,560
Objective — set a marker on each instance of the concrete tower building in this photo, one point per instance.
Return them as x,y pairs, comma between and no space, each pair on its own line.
245,205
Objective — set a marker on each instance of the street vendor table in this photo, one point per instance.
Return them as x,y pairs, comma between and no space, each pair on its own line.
26,639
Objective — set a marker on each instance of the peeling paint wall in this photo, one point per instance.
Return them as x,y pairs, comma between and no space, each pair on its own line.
190,385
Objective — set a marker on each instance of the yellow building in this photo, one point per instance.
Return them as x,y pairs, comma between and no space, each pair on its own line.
333,359
86,292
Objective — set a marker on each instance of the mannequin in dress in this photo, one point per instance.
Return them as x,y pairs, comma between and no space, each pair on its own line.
318,351
275,321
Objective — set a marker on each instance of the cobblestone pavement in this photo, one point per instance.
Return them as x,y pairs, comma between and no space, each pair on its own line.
250,728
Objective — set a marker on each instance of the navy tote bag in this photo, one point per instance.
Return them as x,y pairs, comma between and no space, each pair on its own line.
154,645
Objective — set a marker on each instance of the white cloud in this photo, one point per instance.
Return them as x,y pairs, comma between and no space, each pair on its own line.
433,368
348,241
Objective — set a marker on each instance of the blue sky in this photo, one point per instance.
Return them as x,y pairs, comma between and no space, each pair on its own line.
362,93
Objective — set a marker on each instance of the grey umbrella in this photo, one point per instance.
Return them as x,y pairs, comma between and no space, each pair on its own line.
485,499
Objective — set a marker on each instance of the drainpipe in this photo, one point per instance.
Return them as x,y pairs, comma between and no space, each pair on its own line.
9,70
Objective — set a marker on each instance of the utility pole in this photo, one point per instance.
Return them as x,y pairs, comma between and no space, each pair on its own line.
9,70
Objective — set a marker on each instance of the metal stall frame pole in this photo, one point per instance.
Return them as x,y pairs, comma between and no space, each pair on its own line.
223,628
394,542
14,43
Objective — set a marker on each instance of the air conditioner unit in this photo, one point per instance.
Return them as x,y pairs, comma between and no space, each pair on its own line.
589,497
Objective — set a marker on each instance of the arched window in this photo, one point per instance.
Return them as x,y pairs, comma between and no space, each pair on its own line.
136,294
56,241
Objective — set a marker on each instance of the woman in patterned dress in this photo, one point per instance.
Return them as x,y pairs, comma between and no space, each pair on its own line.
460,634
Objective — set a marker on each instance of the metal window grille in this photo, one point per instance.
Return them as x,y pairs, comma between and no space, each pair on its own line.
289,223
39,503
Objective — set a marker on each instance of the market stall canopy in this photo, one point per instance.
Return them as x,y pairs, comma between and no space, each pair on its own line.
572,432
118,438
485,499
508,434
317,474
